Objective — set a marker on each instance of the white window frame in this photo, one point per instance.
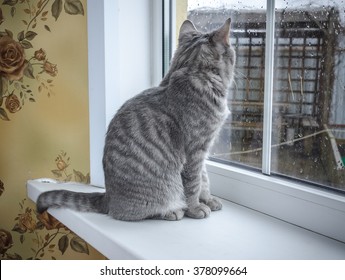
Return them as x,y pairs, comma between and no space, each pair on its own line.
120,65
111,82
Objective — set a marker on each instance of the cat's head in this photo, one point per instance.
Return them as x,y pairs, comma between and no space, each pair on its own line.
205,52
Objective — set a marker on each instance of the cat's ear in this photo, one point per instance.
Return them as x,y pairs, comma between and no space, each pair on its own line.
187,27
222,34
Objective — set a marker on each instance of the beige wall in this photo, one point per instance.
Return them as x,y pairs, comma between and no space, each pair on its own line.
43,126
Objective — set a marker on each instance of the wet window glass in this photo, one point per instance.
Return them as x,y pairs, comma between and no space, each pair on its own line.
308,124
308,110
240,140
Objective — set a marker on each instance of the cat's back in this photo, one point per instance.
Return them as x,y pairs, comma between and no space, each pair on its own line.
139,112
141,132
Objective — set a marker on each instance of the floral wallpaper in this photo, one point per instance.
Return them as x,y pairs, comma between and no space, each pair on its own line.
43,121
20,58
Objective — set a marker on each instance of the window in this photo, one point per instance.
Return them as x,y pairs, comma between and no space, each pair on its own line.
287,120
306,125
323,211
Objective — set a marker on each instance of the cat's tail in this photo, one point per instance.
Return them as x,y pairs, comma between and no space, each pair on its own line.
85,202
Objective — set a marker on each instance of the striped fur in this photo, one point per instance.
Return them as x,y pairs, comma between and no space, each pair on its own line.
157,142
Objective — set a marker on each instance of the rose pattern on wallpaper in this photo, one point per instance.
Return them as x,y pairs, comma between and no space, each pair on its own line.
62,173
46,233
20,59
1,187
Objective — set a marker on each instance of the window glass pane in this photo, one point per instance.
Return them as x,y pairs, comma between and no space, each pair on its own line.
308,133
240,139
308,136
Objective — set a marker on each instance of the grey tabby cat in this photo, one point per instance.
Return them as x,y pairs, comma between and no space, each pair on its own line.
156,145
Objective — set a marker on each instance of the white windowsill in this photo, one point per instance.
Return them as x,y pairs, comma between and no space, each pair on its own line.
235,232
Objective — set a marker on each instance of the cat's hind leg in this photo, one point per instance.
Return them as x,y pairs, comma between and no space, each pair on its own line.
175,206
174,215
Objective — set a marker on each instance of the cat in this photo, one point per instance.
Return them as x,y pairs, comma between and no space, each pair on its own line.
157,143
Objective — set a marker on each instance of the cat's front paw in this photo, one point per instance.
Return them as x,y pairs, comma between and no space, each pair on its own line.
174,215
199,212
214,204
